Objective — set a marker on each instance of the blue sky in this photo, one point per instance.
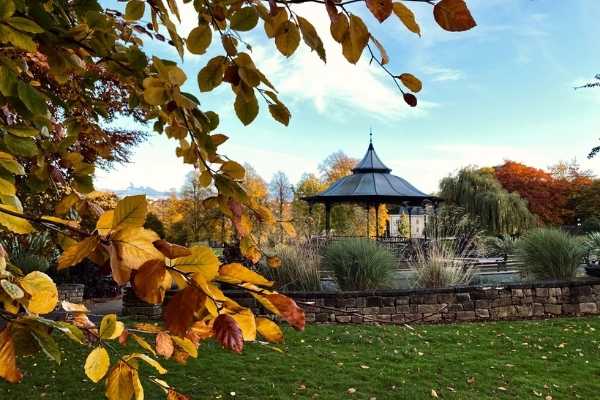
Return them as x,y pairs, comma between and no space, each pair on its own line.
501,91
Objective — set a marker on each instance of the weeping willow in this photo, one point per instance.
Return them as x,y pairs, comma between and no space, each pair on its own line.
480,194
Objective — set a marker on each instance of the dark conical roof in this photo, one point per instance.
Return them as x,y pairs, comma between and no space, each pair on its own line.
371,182
371,163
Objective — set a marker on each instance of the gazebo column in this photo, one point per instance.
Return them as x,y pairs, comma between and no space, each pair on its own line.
327,218
409,222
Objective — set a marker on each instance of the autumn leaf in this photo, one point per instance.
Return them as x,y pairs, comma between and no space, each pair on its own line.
269,330
453,15
246,322
237,273
151,281
288,310
110,328
42,291
357,39
12,223
202,260
171,250
411,82
142,342
105,223
130,212
8,361
407,17
133,247
381,9
164,345
228,333
97,364
287,38
77,252
119,383
186,345
179,312
410,99
199,39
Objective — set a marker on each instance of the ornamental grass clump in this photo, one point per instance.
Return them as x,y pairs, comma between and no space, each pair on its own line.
440,265
359,264
550,253
299,270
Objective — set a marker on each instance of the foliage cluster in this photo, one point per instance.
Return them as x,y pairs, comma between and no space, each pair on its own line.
359,264
300,268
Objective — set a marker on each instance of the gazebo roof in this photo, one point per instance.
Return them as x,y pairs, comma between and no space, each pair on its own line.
371,182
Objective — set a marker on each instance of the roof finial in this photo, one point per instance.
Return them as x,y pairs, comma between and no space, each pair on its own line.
370,135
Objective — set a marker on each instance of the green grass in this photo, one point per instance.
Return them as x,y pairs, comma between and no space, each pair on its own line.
505,360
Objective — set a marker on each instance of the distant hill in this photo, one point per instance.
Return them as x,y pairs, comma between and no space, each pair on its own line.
150,193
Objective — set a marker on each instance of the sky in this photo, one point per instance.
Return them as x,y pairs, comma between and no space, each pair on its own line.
504,90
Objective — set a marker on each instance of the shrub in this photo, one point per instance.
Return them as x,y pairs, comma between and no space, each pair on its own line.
31,252
299,270
590,225
359,264
592,244
500,246
550,253
441,265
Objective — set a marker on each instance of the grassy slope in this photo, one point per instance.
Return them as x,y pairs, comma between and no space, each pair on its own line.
508,360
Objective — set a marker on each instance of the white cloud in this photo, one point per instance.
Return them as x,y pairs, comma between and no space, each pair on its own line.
442,74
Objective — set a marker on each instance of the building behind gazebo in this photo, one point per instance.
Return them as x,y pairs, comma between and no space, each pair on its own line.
372,184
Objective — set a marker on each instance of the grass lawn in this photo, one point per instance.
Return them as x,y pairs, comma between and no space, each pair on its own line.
506,360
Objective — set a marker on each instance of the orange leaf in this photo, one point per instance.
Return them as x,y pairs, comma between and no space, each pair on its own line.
228,333
171,250
8,360
288,309
173,395
164,345
179,313
151,281
199,331
236,272
453,15
381,9
269,330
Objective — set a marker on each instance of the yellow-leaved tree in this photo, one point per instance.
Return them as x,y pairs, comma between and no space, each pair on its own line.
66,67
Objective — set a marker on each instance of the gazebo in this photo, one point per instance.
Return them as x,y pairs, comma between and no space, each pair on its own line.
371,184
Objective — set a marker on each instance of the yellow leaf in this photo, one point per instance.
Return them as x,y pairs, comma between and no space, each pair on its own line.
202,260
73,307
187,345
119,384
8,360
199,39
148,360
233,170
110,328
453,15
246,108
407,17
236,273
43,292
411,82
74,254
134,247
12,223
105,223
287,38
269,330
96,364
7,188
246,322
143,343
130,212
354,43
138,389
339,28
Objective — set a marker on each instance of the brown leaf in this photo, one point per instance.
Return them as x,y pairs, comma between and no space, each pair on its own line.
151,281
171,250
453,15
179,313
381,9
164,345
173,395
228,333
288,309
410,99
8,360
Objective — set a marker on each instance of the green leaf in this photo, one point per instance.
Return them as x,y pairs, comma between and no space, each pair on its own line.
16,38
246,109
8,82
32,99
211,76
7,9
280,113
25,147
47,344
23,131
25,25
9,163
135,10
199,39
244,19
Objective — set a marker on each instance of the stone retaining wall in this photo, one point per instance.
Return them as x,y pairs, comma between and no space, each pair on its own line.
71,292
475,303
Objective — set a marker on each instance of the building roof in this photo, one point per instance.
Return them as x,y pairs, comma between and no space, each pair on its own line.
371,182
